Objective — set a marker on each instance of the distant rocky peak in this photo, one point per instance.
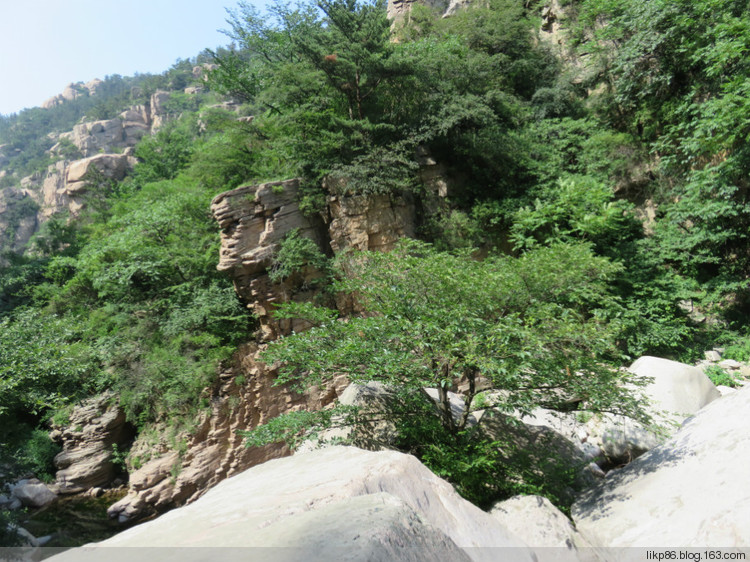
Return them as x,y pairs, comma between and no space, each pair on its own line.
73,91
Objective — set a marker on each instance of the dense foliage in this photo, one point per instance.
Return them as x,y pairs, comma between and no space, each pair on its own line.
538,276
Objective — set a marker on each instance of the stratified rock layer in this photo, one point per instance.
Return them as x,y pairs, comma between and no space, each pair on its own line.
88,439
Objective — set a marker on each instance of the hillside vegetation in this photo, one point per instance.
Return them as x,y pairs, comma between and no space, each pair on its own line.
539,265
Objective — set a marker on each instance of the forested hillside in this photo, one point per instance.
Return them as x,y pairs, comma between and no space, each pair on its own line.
596,211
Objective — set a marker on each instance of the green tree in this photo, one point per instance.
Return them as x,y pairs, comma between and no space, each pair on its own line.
529,327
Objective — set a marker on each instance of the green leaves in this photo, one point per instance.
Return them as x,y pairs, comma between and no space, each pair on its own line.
525,324
43,363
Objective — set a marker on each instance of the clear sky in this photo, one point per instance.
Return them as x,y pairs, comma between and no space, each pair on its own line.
47,44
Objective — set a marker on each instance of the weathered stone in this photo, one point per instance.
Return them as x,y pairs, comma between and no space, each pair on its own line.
724,390
678,390
93,137
398,9
730,364
369,222
86,459
113,166
547,453
158,109
33,493
326,499
537,522
200,71
690,491
243,398
254,219
712,355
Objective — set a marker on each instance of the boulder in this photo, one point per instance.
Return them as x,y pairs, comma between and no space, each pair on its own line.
539,523
32,493
374,399
9,502
691,491
677,389
330,503
547,453
113,166
104,135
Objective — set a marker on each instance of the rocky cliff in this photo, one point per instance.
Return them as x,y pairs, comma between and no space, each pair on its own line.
106,145
254,220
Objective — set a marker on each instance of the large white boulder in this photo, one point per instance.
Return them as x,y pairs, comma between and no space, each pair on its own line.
368,505
535,520
675,392
691,491
678,389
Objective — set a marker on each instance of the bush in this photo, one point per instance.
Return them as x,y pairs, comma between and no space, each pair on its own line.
719,376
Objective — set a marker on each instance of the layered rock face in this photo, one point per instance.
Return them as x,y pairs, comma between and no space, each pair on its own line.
243,398
254,220
88,439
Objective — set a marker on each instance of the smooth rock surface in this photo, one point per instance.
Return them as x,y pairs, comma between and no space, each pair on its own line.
690,491
539,523
324,500
33,493
677,388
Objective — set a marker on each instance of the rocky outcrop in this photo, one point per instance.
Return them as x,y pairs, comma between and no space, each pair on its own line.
335,503
690,491
88,438
73,91
368,222
158,110
18,218
64,185
254,220
243,398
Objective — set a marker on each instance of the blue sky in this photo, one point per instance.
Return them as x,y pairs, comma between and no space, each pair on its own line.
46,44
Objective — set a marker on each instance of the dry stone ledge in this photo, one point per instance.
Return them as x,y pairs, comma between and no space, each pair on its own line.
690,491
368,503
254,219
